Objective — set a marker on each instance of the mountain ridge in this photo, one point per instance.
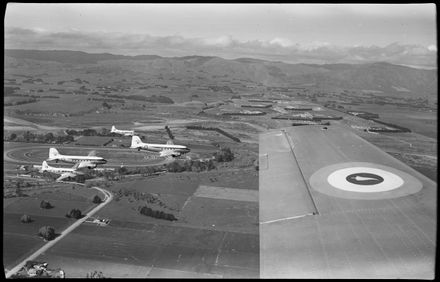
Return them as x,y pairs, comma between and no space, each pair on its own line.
379,76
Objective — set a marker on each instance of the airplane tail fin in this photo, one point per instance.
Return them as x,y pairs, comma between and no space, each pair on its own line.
44,166
113,129
53,153
135,141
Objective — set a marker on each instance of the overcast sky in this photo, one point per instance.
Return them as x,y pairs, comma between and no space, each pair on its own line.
312,33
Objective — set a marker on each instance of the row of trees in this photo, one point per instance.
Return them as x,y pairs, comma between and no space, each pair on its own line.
156,214
16,103
190,165
153,98
144,170
39,138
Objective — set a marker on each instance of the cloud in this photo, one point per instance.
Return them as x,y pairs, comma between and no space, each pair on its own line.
280,49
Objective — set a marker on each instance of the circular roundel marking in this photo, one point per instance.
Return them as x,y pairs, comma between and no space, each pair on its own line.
359,180
364,178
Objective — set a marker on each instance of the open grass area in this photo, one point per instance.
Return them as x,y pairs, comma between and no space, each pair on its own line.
14,246
211,238
21,239
79,267
200,253
422,122
93,141
221,214
65,104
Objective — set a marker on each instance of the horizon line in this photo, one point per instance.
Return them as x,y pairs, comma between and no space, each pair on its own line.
238,58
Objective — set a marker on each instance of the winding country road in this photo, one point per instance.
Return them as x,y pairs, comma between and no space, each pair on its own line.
108,196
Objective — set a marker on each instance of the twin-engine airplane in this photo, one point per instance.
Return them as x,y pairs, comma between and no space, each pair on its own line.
65,172
168,149
90,161
123,132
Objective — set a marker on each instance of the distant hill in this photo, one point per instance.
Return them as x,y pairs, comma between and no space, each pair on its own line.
379,76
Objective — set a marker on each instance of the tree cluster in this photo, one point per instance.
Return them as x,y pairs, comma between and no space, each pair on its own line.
26,219
190,165
39,138
156,214
224,155
45,205
74,213
144,170
47,232
88,132
16,103
95,274
97,199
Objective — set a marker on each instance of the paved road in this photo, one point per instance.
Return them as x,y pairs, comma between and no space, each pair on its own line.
108,196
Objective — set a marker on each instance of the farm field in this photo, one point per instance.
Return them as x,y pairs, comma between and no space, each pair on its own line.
20,239
61,105
211,238
196,251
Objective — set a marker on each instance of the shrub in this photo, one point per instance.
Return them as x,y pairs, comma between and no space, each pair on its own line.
175,166
74,213
95,274
47,232
97,200
45,205
224,155
26,218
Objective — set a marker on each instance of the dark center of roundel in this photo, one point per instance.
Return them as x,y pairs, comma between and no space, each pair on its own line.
364,178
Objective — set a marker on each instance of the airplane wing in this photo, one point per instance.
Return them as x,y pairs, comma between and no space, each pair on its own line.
85,164
333,205
65,175
169,153
92,153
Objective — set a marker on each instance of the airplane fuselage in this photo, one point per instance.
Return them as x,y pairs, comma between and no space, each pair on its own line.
62,170
80,159
122,132
159,148
163,149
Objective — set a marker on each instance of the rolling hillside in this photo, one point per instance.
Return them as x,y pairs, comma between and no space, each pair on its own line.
380,76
